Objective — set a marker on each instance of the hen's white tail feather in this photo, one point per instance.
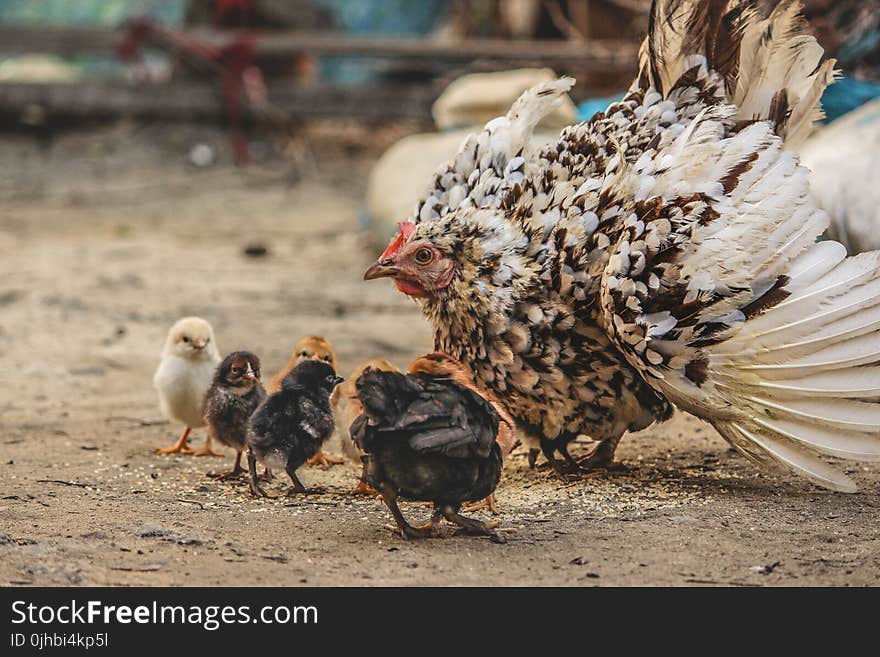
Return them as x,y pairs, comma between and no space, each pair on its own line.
771,66
806,373
788,453
849,445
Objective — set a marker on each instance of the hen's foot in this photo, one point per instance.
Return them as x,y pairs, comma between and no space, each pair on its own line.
601,457
323,461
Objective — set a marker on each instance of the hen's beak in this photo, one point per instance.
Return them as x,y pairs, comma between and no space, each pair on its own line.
381,269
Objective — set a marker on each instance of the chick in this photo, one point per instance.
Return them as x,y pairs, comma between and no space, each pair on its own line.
184,375
231,400
429,439
442,365
293,423
310,347
347,407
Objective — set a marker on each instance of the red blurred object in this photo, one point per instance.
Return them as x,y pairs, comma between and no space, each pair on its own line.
233,62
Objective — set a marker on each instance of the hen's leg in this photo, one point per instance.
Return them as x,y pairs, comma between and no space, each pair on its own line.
489,503
235,473
180,447
208,449
469,525
603,454
322,460
256,491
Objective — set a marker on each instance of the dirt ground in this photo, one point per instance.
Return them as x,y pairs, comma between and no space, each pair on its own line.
107,239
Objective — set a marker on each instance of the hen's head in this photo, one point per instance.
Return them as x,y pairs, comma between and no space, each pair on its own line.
452,255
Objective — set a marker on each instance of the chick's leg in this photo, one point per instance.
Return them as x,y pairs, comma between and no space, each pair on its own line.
298,488
256,491
489,503
469,525
180,447
322,460
208,449
407,531
235,473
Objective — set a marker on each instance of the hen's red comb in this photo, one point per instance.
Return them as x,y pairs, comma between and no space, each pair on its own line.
406,231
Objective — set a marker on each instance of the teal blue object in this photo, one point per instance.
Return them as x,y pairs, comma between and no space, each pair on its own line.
847,94
587,108
387,18
89,12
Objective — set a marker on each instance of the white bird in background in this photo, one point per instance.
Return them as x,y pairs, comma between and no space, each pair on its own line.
662,254
185,372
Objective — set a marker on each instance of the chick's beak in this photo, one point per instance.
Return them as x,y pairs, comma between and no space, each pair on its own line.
381,269
339,380
198,344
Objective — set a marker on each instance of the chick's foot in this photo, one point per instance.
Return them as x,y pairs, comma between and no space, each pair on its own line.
180,447
208,449
471,526
236,472
489,503
323,461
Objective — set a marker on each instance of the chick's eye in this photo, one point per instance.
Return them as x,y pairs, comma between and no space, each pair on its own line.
424,256
304,353
185,339
326,359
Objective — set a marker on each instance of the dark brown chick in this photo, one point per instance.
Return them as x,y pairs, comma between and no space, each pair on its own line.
315,347
428,439
442,365
234,395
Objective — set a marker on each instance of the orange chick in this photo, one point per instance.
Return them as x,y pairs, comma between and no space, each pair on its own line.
315,347
346,407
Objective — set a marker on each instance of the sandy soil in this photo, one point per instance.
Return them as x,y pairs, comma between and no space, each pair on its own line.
106,241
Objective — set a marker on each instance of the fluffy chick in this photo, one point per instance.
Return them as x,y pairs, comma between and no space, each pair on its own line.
293,423
314,347
442,365
347,407
428,439
184,375
231,400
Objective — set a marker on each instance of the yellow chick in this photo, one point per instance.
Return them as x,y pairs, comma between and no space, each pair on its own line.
184,375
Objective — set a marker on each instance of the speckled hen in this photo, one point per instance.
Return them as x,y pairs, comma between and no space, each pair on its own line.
662,254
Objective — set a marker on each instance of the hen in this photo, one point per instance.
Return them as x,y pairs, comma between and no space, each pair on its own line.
661,254
427,439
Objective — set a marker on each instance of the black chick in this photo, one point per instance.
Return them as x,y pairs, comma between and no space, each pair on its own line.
427,439
234,395
293,423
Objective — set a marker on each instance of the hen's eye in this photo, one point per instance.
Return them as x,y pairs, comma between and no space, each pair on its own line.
235,370
424,256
